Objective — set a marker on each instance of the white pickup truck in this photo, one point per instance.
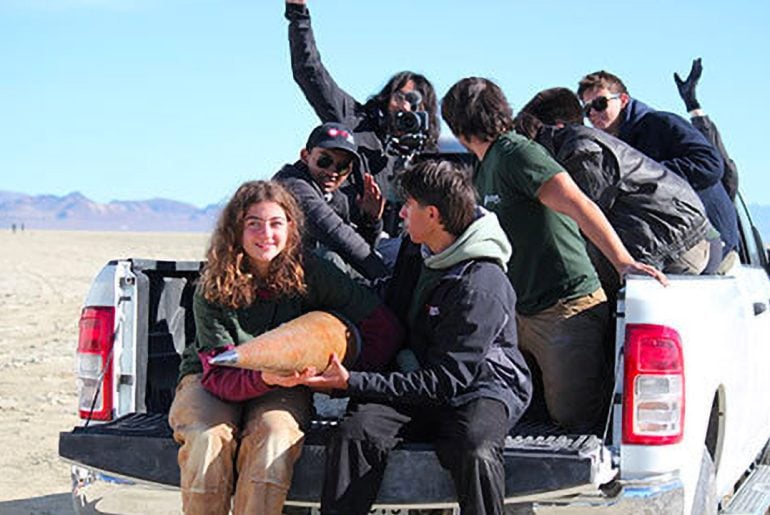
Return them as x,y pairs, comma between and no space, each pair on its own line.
688,430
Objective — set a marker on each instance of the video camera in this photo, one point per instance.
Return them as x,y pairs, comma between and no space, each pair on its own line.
408,130
411,122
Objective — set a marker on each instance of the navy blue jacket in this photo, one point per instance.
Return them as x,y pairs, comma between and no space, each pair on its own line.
672,141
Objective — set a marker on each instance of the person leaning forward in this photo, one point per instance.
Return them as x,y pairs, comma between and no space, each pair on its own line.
666,138
562,311
655,212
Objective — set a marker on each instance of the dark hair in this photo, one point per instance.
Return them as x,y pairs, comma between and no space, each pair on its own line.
227,278
601,79
445,185
555,105
477,107
527,125
429,101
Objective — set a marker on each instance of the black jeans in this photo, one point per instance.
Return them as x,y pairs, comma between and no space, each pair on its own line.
468,439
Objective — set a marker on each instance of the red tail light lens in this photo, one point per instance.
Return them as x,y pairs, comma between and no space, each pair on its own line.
94,364
654,397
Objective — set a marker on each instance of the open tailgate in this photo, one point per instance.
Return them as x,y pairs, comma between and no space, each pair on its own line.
140,446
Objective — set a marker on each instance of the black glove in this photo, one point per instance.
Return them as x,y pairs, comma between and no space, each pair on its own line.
687,87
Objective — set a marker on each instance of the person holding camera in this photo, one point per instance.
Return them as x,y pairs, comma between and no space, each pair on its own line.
390,127
347,239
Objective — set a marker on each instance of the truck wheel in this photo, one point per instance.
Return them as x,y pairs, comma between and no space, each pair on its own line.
705,501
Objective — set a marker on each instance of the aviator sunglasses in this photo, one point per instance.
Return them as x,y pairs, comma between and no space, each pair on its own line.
599,104
326,162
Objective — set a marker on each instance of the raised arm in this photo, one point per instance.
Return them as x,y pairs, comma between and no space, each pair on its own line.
705,125
329,101
708,128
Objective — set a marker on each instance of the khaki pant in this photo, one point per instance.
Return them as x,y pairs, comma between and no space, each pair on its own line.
567,341
261,437
691,262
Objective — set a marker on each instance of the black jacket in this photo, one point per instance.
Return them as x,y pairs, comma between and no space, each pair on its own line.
655,212
330,102
466,343
676,144
328,222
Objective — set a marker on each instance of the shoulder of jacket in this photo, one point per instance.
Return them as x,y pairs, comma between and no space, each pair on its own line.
477,273
319,271
579,139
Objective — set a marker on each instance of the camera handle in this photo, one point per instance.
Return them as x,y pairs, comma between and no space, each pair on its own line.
406,146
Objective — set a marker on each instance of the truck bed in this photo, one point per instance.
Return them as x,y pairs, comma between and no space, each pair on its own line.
139,447
537,459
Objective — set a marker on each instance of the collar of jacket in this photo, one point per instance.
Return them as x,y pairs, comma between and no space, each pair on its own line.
547,137
483,239
632,113
304,171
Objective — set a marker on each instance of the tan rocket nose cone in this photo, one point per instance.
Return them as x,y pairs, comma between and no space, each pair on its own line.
307,341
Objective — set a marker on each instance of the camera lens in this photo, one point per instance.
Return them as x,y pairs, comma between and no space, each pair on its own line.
407,121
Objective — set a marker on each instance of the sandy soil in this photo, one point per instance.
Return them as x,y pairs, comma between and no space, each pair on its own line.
44,277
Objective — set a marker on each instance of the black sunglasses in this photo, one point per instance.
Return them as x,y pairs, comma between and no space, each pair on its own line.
599,104
326,161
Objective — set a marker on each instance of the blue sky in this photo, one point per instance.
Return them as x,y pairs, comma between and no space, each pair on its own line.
186,99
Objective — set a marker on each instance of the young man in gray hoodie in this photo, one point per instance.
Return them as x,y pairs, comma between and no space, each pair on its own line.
464,384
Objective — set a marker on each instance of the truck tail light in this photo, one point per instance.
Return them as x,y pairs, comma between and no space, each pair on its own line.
94,363
653,396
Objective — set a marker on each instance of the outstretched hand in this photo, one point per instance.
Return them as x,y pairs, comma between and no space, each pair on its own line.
687,87
643,269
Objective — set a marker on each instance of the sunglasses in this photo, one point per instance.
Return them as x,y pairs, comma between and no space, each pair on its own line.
599,104
326,161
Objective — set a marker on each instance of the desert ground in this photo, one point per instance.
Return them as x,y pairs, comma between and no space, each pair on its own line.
44,277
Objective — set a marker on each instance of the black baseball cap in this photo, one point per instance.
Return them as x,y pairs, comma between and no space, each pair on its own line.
333,135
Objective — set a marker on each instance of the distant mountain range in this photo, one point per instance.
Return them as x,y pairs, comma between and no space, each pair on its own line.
75,211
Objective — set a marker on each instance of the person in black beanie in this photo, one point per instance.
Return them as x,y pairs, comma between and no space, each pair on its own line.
705,125
383,149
